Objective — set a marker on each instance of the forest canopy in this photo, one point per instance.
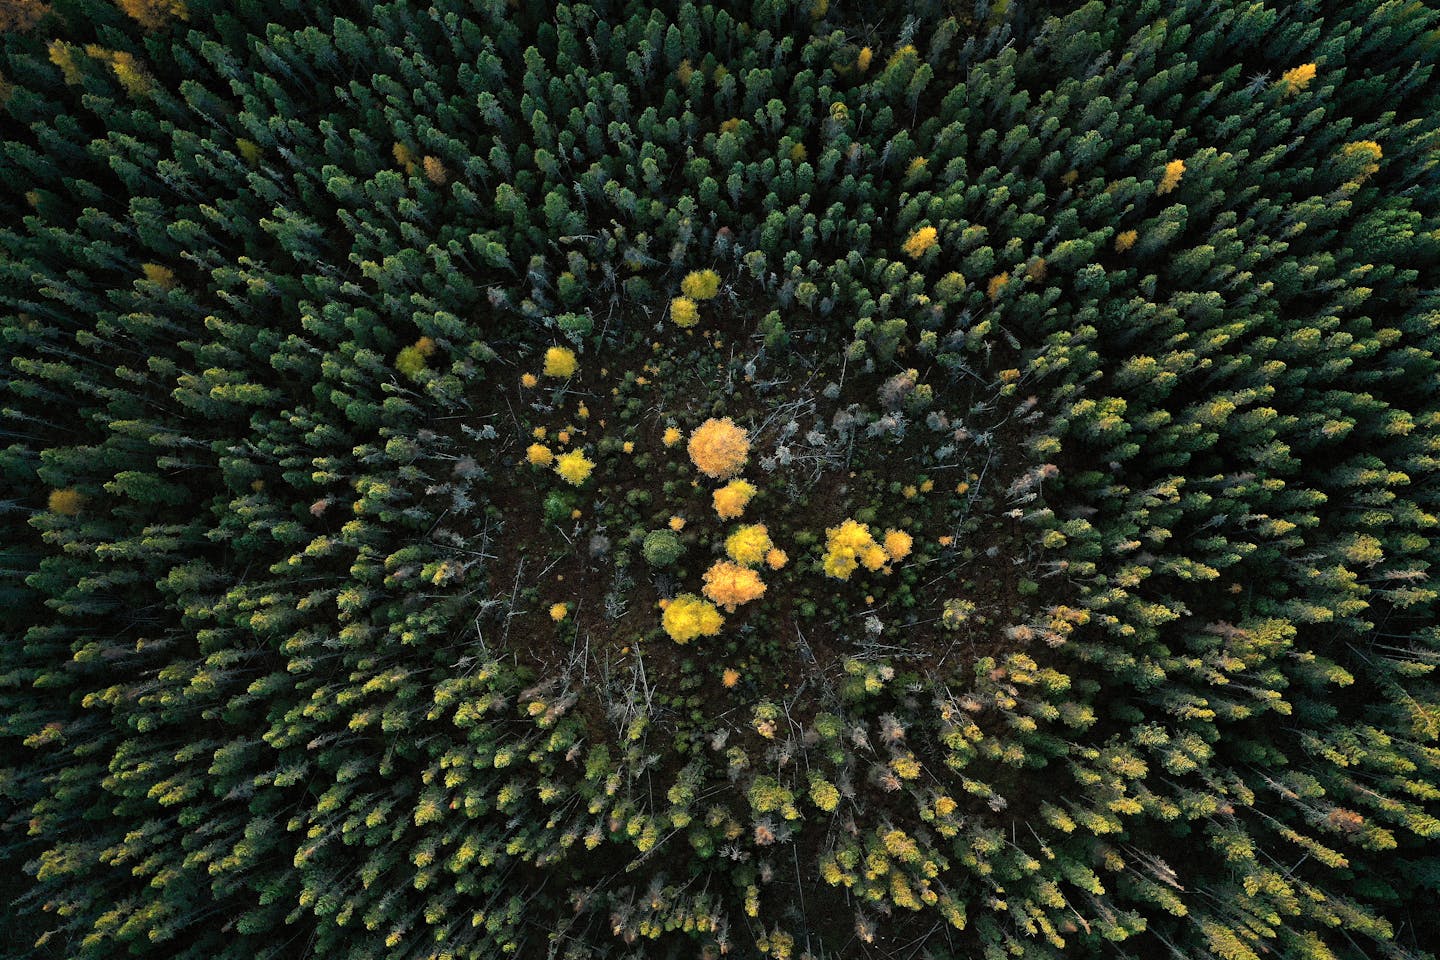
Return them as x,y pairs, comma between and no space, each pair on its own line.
791,479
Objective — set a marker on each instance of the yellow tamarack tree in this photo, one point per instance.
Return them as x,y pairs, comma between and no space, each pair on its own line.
687,617
731,585
719,448
748,545
731,499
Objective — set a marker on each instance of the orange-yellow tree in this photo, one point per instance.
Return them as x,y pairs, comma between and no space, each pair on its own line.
719,448
730,585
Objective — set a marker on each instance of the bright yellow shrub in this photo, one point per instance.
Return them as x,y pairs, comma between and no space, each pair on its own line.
700,284
687,617
1174,170
1297,78
898,544
560,362
845,545
731,499
874,557
574,467
731,585
920,241
748,545
684,312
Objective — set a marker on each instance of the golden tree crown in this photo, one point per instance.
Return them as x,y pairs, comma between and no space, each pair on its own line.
719,448
730,585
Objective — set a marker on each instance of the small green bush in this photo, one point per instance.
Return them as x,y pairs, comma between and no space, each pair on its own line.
662,548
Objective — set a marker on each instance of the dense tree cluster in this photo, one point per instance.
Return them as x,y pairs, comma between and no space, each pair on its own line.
351,531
